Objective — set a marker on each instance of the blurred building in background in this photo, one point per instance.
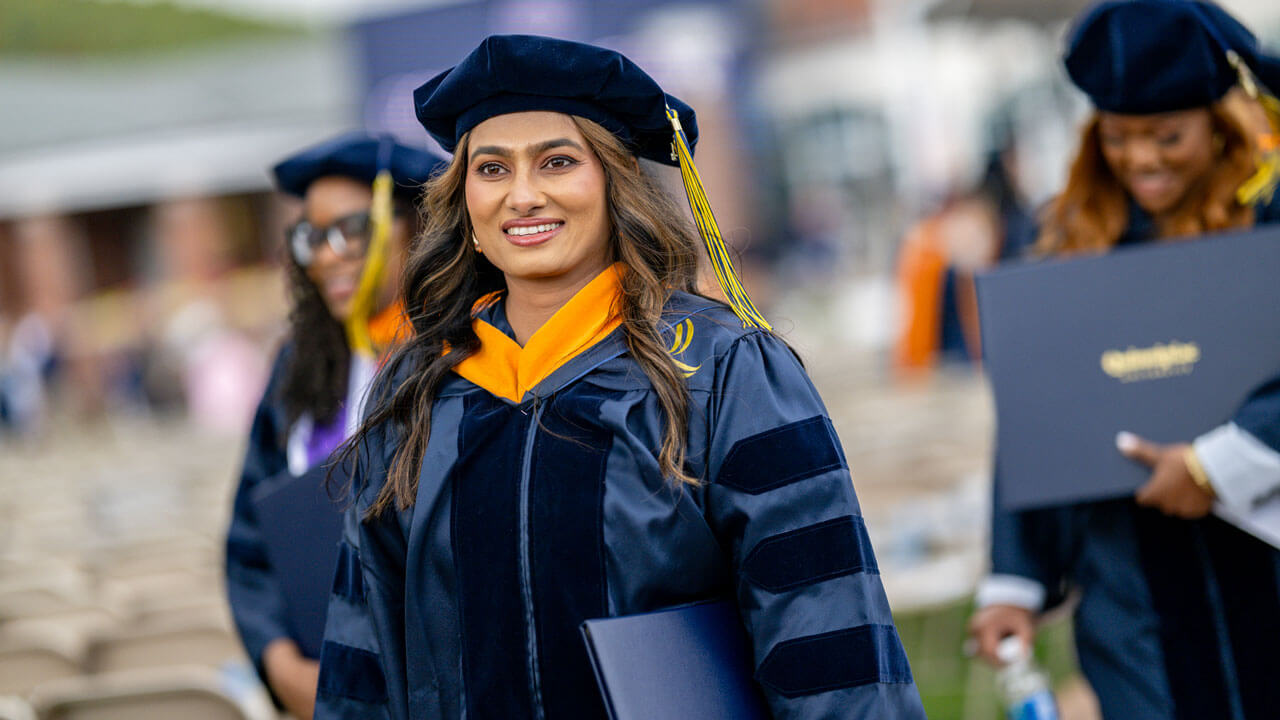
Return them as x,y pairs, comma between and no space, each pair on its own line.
137,219
136,223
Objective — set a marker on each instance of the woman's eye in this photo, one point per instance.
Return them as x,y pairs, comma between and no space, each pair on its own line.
560,162
489,169
1169,140
1112,140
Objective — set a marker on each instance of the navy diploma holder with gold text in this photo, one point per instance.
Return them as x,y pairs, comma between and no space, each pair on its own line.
1164,341
691,662
301,527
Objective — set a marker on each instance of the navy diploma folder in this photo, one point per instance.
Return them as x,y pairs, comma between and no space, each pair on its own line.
690,662
301,528
1164,340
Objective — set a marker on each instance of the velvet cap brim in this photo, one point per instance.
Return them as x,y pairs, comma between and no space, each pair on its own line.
356,155
523,73
1140,57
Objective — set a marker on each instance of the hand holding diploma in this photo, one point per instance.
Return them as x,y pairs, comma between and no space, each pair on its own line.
1172,488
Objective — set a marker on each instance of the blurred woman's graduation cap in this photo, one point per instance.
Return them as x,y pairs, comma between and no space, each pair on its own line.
1141,57
522,73
361,157
391,169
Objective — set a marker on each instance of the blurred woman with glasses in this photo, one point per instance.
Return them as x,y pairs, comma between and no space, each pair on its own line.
344,255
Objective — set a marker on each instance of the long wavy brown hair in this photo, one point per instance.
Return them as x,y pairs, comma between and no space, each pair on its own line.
444,277
1092,212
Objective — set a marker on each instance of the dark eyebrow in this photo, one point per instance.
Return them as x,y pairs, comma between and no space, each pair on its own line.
489,150
533,149
558,142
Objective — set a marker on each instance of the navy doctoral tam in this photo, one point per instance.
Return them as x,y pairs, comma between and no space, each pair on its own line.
358,156
1140,57
522,73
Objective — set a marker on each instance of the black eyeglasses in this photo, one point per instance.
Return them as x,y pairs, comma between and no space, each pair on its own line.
347,236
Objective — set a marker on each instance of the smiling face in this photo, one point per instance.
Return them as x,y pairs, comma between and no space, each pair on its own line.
328,200
535,195
1158,159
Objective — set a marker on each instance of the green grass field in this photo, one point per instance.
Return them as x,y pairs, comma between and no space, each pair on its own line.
955,687
87,28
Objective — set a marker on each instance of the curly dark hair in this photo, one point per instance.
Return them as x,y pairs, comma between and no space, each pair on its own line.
316,370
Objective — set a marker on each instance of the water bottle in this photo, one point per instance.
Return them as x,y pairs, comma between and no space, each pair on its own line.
1023,685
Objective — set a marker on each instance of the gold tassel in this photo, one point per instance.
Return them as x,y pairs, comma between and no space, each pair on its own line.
375,264
710,231
1261,187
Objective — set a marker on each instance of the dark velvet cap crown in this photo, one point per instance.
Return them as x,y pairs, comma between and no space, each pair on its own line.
1140,57
519,73
356,155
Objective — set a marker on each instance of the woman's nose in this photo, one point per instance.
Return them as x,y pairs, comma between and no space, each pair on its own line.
1143,155
525,194
323,255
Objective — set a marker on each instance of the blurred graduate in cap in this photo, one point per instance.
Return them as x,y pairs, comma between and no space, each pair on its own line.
574,433
1178,615
344,254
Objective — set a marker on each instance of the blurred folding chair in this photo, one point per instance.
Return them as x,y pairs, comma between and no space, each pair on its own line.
15,708
52,524
34,654
84,615
180,609
163,588
207,641
33,565
181,692
52,591
143,556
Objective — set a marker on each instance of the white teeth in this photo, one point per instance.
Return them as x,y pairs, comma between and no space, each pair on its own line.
532,229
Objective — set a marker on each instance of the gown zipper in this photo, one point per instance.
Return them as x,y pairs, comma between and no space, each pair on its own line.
526,573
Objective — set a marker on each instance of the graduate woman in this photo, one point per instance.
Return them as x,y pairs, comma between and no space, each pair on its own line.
344,315
574,433
1178,614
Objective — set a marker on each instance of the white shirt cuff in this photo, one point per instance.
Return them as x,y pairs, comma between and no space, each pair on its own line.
1010,590
296,447
1242,469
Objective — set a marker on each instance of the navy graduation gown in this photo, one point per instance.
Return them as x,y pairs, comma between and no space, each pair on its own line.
254,590
1177,619
257,602
534,515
